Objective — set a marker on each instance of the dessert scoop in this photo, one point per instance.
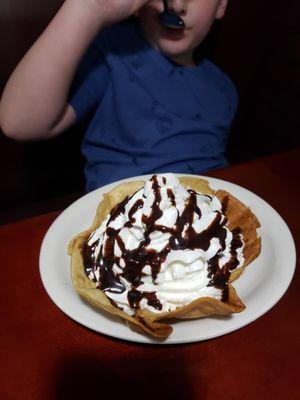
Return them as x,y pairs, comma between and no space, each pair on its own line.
169,19
111,280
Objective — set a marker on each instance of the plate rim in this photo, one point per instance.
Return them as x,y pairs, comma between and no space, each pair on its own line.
143,338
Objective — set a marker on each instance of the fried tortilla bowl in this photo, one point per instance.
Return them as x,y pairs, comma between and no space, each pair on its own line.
145,321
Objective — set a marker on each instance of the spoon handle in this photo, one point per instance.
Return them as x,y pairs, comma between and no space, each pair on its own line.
166,6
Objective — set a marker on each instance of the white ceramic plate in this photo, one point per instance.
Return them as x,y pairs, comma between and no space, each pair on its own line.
260,287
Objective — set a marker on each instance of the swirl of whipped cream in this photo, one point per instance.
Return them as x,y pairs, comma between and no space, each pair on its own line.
163,248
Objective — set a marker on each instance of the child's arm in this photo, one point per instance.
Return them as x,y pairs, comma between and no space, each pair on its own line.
34,102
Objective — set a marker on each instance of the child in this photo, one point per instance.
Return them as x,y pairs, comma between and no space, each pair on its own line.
150,105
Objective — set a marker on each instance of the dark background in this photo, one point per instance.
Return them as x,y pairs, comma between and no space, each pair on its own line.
257,44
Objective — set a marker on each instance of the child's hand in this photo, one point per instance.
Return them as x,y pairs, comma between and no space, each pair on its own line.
113,11
37,91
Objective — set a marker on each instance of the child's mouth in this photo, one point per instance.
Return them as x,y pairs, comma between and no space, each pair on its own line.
173,33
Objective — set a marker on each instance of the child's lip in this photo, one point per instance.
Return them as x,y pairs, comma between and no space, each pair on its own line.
174,33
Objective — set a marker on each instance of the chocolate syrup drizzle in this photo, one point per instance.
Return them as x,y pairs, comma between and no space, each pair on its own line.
135,260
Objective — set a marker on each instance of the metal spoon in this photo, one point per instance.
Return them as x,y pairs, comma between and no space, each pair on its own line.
169,19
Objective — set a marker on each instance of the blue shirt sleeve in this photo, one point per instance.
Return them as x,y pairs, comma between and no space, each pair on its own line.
90,82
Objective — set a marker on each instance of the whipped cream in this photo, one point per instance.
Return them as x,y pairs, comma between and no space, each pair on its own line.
163,248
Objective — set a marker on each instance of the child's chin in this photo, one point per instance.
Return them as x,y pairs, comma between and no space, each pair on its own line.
173,47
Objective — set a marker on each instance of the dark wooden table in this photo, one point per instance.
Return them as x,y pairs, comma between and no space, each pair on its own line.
46,355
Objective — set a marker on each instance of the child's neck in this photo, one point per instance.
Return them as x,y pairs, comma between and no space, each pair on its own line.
186,60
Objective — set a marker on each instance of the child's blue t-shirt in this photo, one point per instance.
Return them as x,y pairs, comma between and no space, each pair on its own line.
149,115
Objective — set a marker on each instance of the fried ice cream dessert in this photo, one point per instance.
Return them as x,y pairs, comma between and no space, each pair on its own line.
164,249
